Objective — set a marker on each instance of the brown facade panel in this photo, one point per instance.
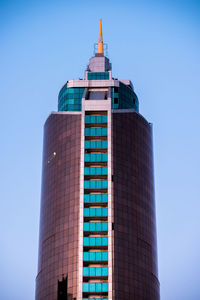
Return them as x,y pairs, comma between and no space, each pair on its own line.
134,242
59,220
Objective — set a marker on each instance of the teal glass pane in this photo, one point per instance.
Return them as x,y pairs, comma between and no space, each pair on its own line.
87,171
104,157
98,76
86,272
86,212
92,241
86,184
85,287
104,197
70,97
104,256
70,101
92,212
104,212
98,241
98,198
92,271
98,256
104,241
104,287
104,131
86,227
98,212
86,241
98,272
98,287
104,226
86,256
98,226
92,197
92,256
70,107
70,90
92,287
104,119
92,227
104,271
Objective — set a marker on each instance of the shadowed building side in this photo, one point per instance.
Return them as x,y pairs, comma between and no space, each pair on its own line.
135,249
59,221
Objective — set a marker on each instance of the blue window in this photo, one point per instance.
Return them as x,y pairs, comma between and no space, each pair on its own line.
70,99
95,271
95,119
124,97
89,287
95,131
95,184
97,226
96,157
96,144
95,241
95,256
96,212
98,76
95,170
93,198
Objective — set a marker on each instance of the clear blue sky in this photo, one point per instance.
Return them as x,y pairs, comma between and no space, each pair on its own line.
156,44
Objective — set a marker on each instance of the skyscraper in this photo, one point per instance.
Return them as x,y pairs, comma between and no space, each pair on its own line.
97,225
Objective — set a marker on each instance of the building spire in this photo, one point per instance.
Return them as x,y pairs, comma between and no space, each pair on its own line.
100,42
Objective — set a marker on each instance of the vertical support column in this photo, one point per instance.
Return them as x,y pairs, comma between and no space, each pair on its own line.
80,257
109,203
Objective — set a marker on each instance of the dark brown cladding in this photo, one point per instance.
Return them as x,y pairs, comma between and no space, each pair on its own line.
59,220
135,250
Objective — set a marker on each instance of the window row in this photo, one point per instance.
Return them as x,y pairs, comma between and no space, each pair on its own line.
96,144
95,241
97,226
96,157
95,131
93,198
95,184
70,107
95,271
89,287
95,119
75,90
96,212
98,76
95,170
95,256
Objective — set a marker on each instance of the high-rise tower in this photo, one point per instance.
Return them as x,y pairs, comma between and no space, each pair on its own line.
97,226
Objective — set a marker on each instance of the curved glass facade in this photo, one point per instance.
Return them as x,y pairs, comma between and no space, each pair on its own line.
123,97
70,99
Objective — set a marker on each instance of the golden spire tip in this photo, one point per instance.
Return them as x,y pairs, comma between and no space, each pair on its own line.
100,41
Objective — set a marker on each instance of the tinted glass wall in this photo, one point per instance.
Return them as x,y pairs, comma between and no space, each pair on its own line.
59,225
135,252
